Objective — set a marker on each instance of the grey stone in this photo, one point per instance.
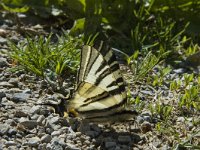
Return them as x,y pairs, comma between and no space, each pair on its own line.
42,146
49,130
179,70
20,97
27,91
12,131
2,94
180,119
147,118
35,117
20,113
3,62
40,119
56,133
28,123
35,109
110,144
140,119
124,139
10,143
55,145
46,138
146,113
34,141
92,133
5,84
4,129
14,81
71,147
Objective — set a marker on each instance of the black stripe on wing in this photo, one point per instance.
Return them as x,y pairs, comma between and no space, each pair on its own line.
109,109
105,73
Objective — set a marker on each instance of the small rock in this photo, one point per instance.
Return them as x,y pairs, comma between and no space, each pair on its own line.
180,119
147,118
10,143
179,70
71,147
110,144
92,133
14,81
27,91
35,109
35,117
19,113
140,119
28,123
49,130
56,145
4,129
34,141
46,138
124,139
40,119
2,94
56,133
42,146
20,97
146,113
146,127
3,62
5,84
12,131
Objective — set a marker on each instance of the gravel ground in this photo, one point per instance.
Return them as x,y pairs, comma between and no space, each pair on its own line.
27,124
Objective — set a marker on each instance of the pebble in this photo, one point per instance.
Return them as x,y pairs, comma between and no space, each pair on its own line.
110,144
55,145
2,94
10,143
55,133
140,119
14,81
20,97
4,129
20,113
40,119
6,84
46,138
92,133
3,62
12,131
146,127
35,109
34,141
180,119
124,139
28,123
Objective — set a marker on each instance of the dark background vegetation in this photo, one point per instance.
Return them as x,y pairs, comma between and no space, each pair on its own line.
129,25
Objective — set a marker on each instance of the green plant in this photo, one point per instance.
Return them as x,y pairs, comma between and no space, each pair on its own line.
190,99
51,61
141,68
164,111
158,79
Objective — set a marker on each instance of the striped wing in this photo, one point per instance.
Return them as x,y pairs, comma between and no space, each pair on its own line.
100,87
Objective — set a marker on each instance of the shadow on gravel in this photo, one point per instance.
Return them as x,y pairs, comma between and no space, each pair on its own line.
115,136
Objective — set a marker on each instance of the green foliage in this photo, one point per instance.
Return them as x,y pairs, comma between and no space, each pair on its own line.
141,68
164,111
51,61
158,79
